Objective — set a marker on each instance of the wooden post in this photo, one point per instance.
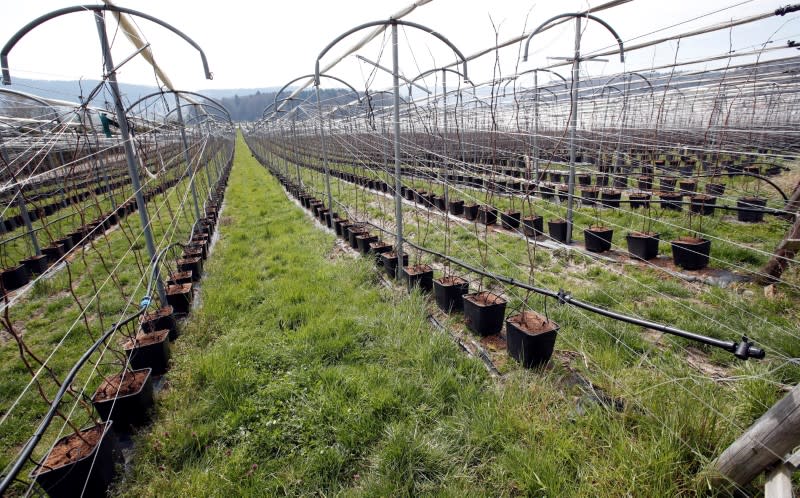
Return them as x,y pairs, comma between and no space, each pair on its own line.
779,483
788,247
767,442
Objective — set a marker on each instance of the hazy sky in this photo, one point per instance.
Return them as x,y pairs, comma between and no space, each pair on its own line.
267,43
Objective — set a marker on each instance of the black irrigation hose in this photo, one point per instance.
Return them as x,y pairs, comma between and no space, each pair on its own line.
742,350
67,382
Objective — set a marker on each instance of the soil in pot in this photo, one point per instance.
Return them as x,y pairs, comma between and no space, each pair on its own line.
179,277
597,239
418,276
691,253
558,230
643,245
484,312
74,468
130,393
449,292
510,219
530,338
149,351
750,203
533,226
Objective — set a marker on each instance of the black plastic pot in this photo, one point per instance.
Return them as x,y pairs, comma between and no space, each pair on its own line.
418,276
353,233
533,226
558,230
487,215
89,476
36,265
378,248
14,278
471,212
389,260
589,196
179,296
338,225
456,207
717,189
532,348
161,319
54,252
597,239
687,187
449,292
129,410
750,203
703,204
691,254
610,198
510,221
364,240
642,245
484,312
149,351
639,200
194,265
671,200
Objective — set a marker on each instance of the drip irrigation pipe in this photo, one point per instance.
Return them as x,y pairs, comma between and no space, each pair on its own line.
742,350
26,451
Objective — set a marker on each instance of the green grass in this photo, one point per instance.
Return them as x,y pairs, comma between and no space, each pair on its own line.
301,375
48,311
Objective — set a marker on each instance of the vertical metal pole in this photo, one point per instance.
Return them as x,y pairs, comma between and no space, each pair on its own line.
573,121
324,151
535,126
186,157
23,209
129,154
444,119
398,203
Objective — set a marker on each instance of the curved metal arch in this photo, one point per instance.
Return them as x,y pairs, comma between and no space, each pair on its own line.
316,80
634,73
94,8
437,69
385,23
566,85
576,14
201,104
35,99
162,92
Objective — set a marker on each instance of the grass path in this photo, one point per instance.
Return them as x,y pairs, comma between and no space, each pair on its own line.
299,375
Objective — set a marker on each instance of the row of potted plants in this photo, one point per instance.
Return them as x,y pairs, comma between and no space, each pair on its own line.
85,463
530,336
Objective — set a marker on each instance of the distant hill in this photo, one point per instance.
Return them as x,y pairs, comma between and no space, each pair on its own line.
71,90
244,104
